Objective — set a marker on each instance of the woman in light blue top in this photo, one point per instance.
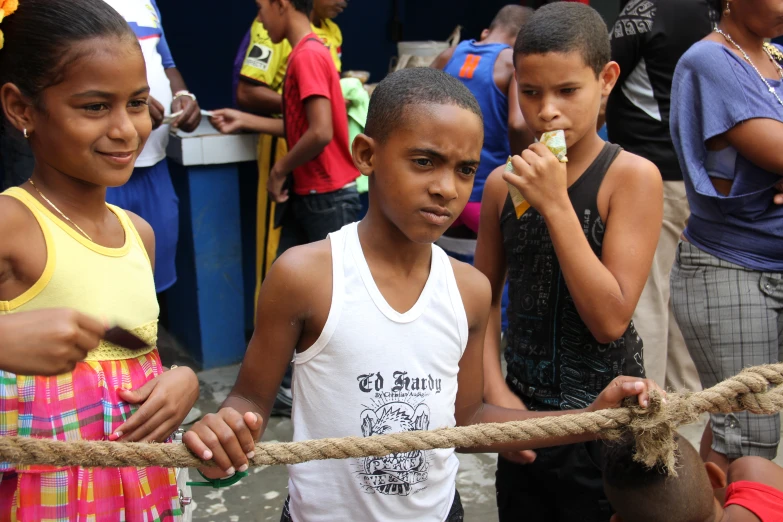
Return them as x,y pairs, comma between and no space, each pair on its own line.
727,280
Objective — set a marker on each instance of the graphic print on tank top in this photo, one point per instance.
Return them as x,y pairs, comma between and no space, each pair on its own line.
375,370
554,361
397,405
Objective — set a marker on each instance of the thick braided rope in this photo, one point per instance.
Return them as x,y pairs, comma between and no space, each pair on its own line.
758,390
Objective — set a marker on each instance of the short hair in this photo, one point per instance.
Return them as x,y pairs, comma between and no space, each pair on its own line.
415,86
511,18
641,494
303,6
564,27
40,35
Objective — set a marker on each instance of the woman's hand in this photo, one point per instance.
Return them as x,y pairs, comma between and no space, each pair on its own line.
46,342
165,402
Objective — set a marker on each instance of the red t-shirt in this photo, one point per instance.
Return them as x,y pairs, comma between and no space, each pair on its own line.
311,72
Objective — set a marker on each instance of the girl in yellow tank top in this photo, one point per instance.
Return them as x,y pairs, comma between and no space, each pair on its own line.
74,84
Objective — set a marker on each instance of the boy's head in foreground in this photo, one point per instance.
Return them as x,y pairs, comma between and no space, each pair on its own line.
563,67
639,494
421,147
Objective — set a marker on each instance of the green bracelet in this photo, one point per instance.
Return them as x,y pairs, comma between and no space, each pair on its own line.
221,482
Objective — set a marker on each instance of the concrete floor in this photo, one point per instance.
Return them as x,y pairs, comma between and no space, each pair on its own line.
260,496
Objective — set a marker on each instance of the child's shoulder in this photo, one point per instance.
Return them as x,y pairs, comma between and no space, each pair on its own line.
474,288
756,469
303,267
636,174
145,232
15,216
495,190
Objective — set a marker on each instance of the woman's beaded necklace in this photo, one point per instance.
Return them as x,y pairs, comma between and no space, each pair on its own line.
770,88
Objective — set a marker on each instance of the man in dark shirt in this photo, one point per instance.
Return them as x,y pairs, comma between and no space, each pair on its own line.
648,40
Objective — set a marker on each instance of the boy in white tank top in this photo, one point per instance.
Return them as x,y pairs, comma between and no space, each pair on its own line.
386,332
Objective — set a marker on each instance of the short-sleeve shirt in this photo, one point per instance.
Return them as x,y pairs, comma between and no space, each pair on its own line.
265,61
144,18
713,91
311,72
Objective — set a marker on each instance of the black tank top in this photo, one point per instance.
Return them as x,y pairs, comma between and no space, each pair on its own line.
554,362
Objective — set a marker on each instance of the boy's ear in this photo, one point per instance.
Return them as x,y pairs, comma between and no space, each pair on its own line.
608,77
716,475
363,150
17,107
484,35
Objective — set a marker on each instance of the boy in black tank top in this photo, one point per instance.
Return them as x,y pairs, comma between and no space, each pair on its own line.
576,261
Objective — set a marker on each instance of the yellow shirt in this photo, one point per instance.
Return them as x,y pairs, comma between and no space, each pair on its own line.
111,283
266,61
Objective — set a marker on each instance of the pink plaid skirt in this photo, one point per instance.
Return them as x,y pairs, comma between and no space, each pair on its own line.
82,405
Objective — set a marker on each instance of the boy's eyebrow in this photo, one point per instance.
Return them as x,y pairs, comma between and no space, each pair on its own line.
469,163
434,153
427,152
572,83
104,94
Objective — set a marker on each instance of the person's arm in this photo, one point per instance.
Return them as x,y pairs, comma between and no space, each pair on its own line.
756,469
285,305
261,72
627,46
258,98
442,59
191,112
313,75
230,121
165,400
47,342
490,260
759,141
470,407
318,135
606,290
519,134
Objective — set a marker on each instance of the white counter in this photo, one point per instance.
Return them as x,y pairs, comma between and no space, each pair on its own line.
206,146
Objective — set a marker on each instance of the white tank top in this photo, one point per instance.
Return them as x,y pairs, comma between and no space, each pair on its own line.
373,371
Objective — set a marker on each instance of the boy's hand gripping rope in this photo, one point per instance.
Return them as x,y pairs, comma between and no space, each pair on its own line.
758,390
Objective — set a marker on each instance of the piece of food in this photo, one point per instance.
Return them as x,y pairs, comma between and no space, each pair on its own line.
520,205
555,142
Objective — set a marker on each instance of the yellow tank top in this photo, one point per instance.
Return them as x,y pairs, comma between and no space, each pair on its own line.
114,284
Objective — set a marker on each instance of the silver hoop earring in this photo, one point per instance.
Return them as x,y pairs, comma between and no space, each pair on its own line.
26,136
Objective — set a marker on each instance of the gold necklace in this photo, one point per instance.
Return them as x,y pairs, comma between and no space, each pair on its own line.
66,218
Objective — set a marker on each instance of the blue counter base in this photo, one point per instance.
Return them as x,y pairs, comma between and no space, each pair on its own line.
207,305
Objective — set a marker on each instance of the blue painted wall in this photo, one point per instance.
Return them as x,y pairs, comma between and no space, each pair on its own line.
204,38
